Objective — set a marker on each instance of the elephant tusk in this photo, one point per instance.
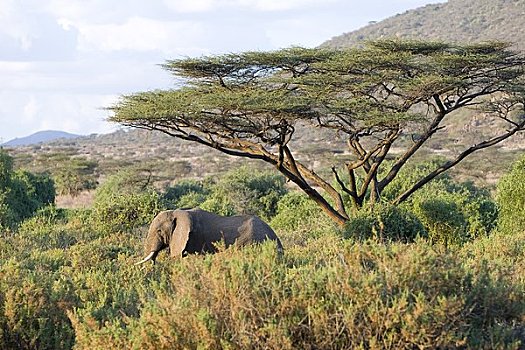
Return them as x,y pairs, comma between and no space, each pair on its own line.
149,257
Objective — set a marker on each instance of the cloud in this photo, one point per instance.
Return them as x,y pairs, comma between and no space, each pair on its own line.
15,25
185,6
280,5
30,110
71,112
138,34
29,33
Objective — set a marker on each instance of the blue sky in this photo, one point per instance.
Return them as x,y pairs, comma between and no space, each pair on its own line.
62,61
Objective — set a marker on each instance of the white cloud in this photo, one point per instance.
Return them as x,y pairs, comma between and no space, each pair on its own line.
138,34
22,114
15,24
281,5
186,6
30,110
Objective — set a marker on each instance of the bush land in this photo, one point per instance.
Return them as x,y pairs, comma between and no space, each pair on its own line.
386,281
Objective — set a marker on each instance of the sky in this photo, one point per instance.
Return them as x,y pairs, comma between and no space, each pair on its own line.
63,61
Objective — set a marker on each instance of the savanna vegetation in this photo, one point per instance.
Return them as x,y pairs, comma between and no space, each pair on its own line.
391,253
398,277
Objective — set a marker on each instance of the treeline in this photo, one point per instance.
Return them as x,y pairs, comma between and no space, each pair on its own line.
443,270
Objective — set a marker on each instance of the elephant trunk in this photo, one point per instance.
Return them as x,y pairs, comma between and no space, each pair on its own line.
151,256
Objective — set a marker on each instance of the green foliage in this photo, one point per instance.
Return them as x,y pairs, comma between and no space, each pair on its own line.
125,201
294,210
75,175
48,272
21,193
443,219
246,191
511,199
186,194
451,213
349,296
33,305
31,192
63,285
299,219
385,223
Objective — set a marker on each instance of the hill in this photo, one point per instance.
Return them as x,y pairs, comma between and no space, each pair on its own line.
453,21
39,137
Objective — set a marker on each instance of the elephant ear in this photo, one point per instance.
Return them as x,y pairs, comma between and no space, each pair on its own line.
180,235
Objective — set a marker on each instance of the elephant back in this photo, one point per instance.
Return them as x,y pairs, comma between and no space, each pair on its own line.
239,230
254,230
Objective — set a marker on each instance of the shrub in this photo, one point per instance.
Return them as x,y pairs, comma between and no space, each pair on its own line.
451,212
75,175
123,203
295,210
299,219
332,293
246,191
445,222
385,223
511,199
21,193
47,229
346,296
186,194
32,308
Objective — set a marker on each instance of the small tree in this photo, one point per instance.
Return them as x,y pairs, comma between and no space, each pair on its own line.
246,191
511,199
21,193
75,175
389,92
126,200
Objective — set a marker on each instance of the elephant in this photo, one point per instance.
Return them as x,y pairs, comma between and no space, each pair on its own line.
189,231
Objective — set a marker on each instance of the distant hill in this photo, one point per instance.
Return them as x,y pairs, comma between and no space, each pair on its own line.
39,137
454,21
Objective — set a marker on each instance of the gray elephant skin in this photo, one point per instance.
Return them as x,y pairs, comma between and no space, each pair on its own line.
195,231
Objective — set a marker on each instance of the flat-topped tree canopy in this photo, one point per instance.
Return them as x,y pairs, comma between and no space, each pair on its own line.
250,104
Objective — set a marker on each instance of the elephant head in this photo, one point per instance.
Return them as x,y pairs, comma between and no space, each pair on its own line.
197,231
169,229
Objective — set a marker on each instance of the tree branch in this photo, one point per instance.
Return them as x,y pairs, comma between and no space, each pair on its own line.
491,142
301,170
431,130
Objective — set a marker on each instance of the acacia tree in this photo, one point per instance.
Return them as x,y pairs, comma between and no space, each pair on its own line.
251,105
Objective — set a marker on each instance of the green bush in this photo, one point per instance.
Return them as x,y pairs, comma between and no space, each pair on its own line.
511,199
385,223
32,307
123,203
21,193
47,229
368,296
67,280
61,288
299,219
295,210
246,191
451,212
186,194
74,175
